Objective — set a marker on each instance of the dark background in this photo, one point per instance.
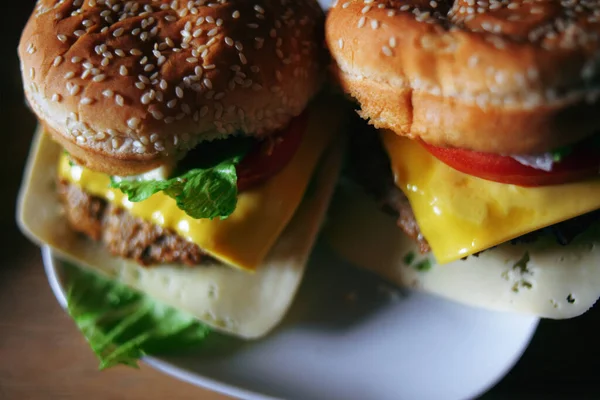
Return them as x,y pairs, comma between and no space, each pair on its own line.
562,362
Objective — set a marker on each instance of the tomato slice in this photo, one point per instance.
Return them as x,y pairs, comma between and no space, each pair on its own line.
271,155
582,163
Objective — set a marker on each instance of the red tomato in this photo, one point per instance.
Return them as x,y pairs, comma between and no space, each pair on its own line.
271,155
582,163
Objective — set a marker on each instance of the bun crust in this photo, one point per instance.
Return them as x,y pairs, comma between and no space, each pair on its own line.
127,86
508,78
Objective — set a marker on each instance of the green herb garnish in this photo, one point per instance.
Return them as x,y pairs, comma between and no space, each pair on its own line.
409,258
423,265
521,265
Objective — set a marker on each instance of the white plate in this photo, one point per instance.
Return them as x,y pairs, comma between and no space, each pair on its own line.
350,337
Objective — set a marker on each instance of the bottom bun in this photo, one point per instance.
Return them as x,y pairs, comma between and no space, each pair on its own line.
243,304
540,278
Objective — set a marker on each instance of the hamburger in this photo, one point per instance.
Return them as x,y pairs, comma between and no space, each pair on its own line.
185,154
483,146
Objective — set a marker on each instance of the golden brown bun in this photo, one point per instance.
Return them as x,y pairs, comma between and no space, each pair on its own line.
126,87
503,77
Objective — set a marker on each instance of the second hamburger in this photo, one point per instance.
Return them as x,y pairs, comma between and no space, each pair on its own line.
486,134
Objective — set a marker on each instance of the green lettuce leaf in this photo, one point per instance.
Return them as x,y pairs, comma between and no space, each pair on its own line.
559,154
206,192
122,325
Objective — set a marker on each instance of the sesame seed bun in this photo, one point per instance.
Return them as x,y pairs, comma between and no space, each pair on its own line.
125,87
501,77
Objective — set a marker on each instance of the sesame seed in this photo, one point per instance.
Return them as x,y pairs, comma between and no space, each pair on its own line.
57,61
235,14
146,98
157,114
108,93
133,123
86,101
118,32
62,38
99,78
473,61
119,100
75,89
387,51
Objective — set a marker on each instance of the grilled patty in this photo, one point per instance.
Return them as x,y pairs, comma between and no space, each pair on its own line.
123,234
369,165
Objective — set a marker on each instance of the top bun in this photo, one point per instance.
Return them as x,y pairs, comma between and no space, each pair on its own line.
126,86
509,77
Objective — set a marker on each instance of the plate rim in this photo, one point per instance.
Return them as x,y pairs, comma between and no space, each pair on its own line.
228,389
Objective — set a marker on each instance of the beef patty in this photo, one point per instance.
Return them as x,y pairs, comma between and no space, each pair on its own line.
368,164
123,234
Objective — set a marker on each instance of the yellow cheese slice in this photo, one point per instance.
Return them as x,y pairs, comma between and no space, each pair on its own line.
245,238
461,215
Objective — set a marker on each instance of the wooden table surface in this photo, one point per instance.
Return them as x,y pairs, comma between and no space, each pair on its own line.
43,356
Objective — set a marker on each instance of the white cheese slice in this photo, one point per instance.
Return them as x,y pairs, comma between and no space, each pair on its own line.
243,304
558,282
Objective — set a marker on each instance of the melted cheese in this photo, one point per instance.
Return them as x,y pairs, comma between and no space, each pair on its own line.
461,215
242,240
